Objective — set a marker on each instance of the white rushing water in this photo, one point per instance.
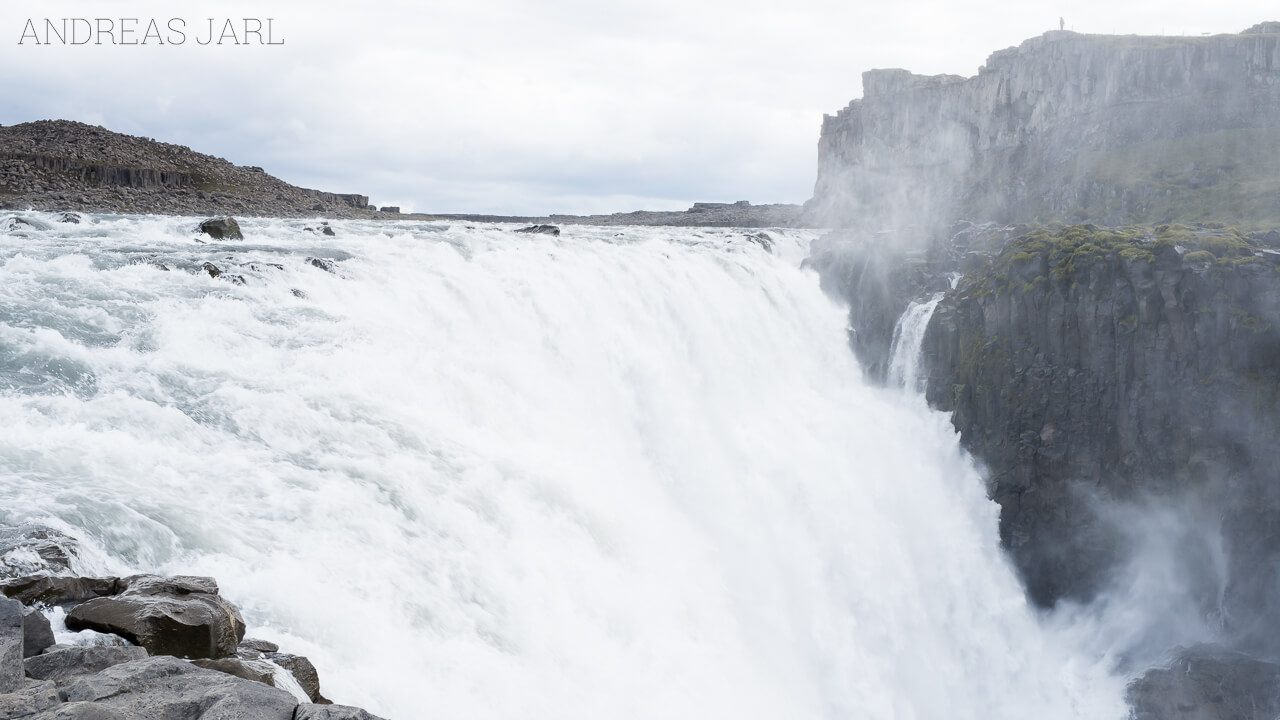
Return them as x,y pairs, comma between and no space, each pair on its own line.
622,473
908,339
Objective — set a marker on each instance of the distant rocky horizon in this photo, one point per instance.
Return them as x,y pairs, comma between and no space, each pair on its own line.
64,165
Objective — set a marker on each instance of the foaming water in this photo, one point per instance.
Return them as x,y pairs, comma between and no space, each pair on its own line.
626,472
908,339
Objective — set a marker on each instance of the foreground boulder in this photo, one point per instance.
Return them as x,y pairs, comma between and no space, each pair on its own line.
224,228
11,638
182,616
64,663
37,634
29,700
166,687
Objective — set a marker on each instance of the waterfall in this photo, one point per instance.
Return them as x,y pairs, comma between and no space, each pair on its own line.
630,473
908,340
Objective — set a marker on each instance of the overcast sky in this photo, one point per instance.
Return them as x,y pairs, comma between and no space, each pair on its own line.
524,106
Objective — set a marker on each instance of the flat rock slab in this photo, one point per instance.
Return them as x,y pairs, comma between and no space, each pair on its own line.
65,663
308,711
29,700
11,642
180,616
169,688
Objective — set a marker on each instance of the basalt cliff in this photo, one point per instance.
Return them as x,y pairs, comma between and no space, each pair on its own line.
1065,127
1098,219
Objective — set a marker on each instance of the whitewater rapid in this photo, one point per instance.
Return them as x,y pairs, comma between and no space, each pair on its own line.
622,473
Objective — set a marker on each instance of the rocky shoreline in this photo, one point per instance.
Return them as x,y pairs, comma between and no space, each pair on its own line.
136,648
61,166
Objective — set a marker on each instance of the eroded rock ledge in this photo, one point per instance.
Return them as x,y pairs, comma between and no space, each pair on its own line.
160,647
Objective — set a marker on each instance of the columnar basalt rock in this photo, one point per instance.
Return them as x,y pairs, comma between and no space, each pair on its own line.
1115,129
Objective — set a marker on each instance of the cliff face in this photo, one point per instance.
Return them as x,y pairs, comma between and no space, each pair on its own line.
1089,366
1072,127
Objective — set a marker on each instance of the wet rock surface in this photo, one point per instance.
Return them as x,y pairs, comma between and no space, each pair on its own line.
181,616
134,674
223,228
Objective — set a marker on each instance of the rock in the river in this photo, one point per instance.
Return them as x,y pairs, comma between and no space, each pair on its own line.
324,264
37,634
308,711
169,688
34,550
223,228
69,217
11,640
67,662
29,700
540,230
182,616
763,239
213,270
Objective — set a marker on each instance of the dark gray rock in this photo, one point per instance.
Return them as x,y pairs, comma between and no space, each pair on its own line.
69,217
763,239
11,640
34,550
324,264
309,711
223,228
326,230
67,662
28,700
259,646
390,209
182,616
303,671
539,230
58,590
169,688
213,270
255,670
1208,683
79,711
37,634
